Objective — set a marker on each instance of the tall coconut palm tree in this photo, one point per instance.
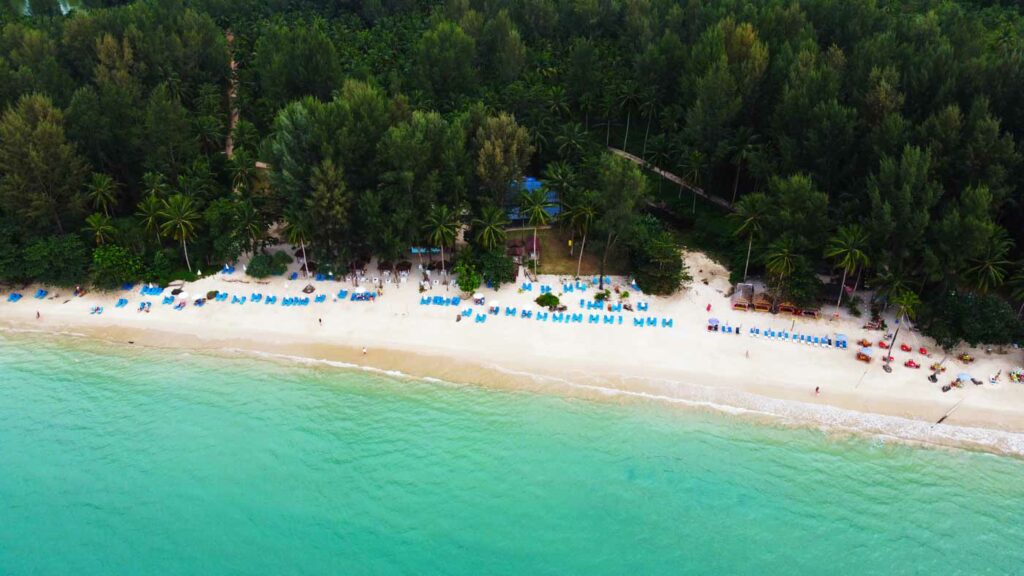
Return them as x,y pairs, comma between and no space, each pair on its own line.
694,163
751,212
847,250
781,261
441,227
533,204
581,218
628,98
296,230
179,221
490,227
988,269
155,184
148,213
1016,285
102,192
99,226
743,145
571,140
648,103
250,224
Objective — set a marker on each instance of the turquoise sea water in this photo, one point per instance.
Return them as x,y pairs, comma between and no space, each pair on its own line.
149,462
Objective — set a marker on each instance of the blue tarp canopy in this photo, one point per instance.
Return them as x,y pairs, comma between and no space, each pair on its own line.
840,338
867,352
963,377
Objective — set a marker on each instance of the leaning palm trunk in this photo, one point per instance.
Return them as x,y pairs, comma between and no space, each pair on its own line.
643,154
536,252
746,267
443,269
842,288
305,261
579,263
184,248
625,138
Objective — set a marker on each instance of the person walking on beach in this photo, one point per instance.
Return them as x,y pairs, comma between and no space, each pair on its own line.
37,315
321,320
364,350
817,390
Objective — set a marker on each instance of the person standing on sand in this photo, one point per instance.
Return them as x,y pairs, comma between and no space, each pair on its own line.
817,390
37,315
321,320
364,350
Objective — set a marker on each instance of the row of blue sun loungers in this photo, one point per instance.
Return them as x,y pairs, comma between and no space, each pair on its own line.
439,301
783,336
151,291
570,317
14,297
295,301
40,294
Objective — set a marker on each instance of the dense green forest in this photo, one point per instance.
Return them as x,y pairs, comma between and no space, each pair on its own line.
874,139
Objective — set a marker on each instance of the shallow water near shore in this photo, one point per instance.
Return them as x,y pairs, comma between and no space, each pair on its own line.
148,461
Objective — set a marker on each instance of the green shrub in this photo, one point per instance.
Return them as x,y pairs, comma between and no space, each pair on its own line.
468,279
548,300
263,265
58,260
112,266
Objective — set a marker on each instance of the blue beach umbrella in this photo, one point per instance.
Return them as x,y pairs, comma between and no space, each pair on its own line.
713,322
963,377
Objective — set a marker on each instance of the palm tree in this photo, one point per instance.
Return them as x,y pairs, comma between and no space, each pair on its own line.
647,107
745,143
155,184
102,191
581,217
149,214
781,261
571,140
490,227
558,101
847,250
296,230
693,164
441,227
629,96
906,307
180,218
100,228
988,270
1016,284
250,224
751,211
890,283
533,204
243,170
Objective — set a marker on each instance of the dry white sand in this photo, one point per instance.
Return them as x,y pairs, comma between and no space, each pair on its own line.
684,363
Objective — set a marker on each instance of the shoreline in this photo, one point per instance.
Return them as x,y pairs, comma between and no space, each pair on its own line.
832,421
681,364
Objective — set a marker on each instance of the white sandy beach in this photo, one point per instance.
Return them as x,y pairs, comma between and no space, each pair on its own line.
683,363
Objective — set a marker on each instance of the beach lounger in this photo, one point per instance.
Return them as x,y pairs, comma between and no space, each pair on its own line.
593,318
293,276
456,300
14,297
577,318
642,306
481,318
558,317
526,314
545,289
467,312
638,322
509,311
40,294
342,294
424,300
608,319
654,322
121,303
581,285
667,323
